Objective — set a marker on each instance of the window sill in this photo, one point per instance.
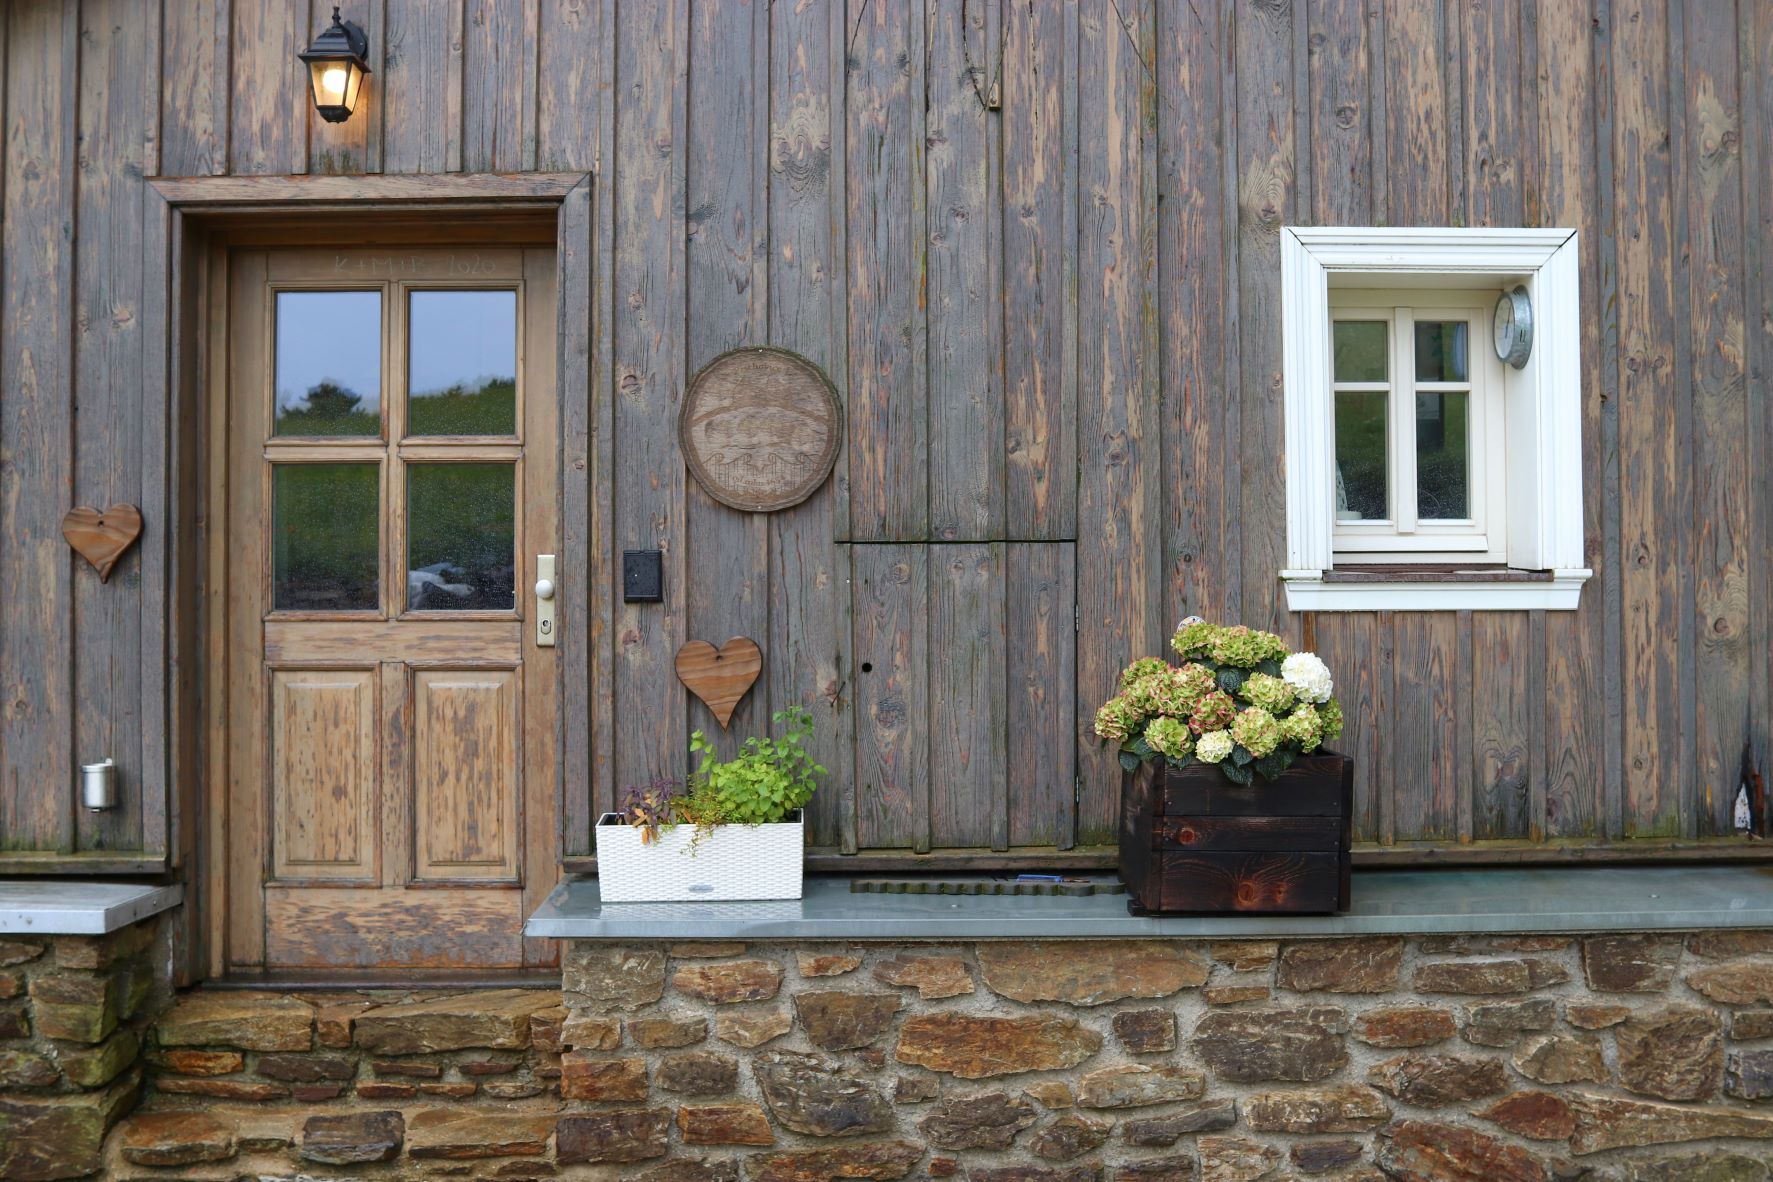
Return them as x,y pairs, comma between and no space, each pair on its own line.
1487,589
1424,902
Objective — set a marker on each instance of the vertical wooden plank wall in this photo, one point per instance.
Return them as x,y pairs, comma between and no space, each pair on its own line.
1034,247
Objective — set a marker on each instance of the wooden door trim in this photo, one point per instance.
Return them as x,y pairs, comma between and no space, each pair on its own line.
188,225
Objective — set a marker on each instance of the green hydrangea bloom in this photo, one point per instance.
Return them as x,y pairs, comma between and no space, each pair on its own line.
1142,668
1214,712
1304,727
1257,731
1247,648
1169,738
1270,693
1116,719
1147,694
1330,713
1194,640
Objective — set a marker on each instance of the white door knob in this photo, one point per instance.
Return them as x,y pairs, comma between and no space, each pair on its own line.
544,588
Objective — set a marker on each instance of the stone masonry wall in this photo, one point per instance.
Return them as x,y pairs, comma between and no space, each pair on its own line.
1629,1058
72,1013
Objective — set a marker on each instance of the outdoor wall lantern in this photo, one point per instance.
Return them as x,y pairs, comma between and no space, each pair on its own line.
337,64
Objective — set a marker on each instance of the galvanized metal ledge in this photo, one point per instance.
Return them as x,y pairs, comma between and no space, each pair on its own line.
1428,902
63,908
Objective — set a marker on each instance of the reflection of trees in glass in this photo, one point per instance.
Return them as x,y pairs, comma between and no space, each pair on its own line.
324,532
329,409
480,406
461,537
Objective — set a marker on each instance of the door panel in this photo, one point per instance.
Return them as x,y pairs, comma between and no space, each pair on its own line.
465,765
391,720
323,780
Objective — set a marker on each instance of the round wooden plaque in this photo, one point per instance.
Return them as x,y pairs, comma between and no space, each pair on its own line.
760,428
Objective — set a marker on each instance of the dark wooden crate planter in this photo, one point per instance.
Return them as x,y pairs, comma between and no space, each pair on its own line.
1192,841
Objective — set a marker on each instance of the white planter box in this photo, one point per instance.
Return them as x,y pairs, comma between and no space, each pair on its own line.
731,862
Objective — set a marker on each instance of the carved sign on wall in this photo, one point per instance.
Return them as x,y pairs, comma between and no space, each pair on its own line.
760,428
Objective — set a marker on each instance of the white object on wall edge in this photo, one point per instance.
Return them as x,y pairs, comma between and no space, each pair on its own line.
727,863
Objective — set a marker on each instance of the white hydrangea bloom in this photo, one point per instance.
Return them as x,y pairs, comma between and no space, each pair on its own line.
1309,677
1213,746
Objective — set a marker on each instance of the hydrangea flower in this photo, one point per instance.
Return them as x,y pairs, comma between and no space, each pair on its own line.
1330,713
1169,738
1194,638
1142,668
1214,712
1309,677
1246,648
1111,720
1146,695
1303,726
1257,731
1270,693
1213,746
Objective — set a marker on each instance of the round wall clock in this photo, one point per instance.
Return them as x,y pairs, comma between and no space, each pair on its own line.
1513,326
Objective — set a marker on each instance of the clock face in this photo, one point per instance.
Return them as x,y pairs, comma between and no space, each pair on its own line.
1512,327
1502,325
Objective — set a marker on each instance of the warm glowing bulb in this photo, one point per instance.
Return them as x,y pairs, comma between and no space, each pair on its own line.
333,82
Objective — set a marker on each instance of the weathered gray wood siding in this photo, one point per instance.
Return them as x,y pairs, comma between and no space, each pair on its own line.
1034,244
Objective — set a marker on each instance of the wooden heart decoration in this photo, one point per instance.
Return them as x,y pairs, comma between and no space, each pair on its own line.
720,676
102,535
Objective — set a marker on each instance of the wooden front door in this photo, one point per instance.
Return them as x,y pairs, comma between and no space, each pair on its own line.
391,456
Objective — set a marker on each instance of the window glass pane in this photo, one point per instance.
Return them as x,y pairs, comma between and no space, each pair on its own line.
1362,480
1443,480
462,363
1440,351
461,523
329,363
324,545
1360,350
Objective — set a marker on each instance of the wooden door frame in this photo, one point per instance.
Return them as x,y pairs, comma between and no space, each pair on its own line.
189,224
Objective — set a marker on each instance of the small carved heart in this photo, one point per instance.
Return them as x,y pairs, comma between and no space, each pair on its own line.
101,536
720,676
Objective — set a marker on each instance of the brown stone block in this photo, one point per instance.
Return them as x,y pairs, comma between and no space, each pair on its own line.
1236,1159
1674,1053
12,984
1561,1059
98,1066
1087,972
943,1167
725,984
399,1067
1233,995
27,1069
916,1089
1146,1032
462,1133
724,1124
697,1073
75,1006
610,977
316,1093
1361,965
490,1065
1501,1023
982,1120
333,1023
221,1089
707,949
1421,1151
449,1091
1607,1122
377,1090
1595,1015
1432,1081
933,977
661,1033
1474,977
1049,1093
45,1137
810,1095
837,1020
1748,1075
174,1139
1177,1168
1349,1109
1538,1116
546,1029
752,1028
1208,1116
510,1090
1729,943
692,1170
1249,1046
1746,1025
319,1068
15,950
825,964
1084,1173
14,1023
1400,1027
496,1019
626,1135
1136,1086
1698,1167
874,1161
1737,982
353,1138
248,1021
874,1057
1069,1137
978,1047
593,1077
187,1062
1630,962
585,1032
1317,1157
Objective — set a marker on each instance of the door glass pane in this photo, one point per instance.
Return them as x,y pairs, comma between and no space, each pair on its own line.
1443,482
1360,350
324,525
1440,351
462,363
329,363
462,540
1362,480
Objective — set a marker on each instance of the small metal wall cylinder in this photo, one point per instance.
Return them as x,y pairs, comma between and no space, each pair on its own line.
98,785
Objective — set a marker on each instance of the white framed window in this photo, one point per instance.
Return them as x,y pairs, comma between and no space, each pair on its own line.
1424,472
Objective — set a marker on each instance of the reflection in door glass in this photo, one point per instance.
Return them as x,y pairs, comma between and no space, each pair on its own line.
329,363
461,537
462,363
324,537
